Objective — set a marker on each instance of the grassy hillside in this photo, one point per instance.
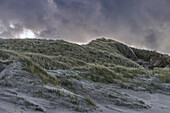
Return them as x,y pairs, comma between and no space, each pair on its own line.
104,60
153,58
65,53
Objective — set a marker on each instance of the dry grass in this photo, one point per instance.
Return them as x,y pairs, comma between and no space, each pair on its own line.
29,65
163,74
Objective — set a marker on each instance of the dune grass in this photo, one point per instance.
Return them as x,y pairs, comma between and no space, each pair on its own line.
105,60
29,65
163,74
66,54
98,73
112,46
90,101
130,72
54,62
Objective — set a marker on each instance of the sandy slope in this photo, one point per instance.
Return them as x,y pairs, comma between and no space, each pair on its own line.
20,92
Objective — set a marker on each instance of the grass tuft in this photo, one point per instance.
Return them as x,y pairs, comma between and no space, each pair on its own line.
98,73
163,74
29,65
89,101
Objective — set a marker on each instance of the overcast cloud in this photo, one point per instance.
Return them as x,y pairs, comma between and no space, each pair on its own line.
141,23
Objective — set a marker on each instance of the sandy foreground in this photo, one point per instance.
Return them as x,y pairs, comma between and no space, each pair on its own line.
20,92
159,104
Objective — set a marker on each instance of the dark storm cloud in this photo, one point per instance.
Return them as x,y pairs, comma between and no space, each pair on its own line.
152,38
142,23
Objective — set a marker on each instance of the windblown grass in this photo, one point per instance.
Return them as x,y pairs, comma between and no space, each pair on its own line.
130,72
105,60
163,74
54,62
98,73
29,65
66,54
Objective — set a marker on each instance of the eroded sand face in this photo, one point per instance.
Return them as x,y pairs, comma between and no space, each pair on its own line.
21,92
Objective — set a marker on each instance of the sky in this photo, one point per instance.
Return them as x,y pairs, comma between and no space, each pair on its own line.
139,23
